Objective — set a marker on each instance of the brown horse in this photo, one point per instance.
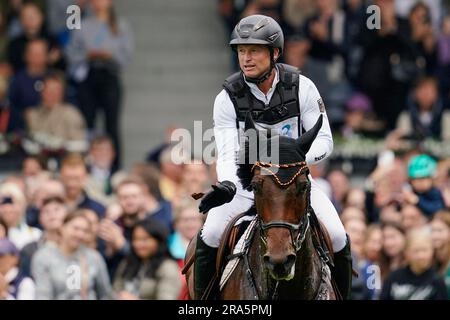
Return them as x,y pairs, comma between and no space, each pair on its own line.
284,259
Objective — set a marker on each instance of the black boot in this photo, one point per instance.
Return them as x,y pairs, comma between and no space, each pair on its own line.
343,271
204,266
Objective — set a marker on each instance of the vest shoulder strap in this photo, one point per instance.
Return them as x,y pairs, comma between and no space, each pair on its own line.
235,85
289,75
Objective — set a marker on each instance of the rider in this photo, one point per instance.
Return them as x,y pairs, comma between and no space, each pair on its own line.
266,88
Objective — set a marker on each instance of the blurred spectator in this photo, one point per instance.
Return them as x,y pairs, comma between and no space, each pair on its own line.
32,22
155,205
194,178
148,272
3,38
51,217
271,8
325,32
171,174
154,155
412,218
355,197
389,58
188,221
424,195
100,165
231,11
339,186
425,116
32,166
51,265
373,243
98,52
56,124
418,280
46,189
359,117
403,8
27,84
92,240
352,213
372,247
132,199
13,284
390,213
356,230
392,255
58,26
422,35
295,14
74,176
440,234
443,58
12,211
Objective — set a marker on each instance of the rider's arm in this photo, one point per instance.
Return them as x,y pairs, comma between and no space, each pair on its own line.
311,106
226,136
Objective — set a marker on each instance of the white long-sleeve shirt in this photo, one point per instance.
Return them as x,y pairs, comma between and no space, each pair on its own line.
226,134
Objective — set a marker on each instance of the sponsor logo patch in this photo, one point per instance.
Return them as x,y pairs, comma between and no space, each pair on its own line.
321,105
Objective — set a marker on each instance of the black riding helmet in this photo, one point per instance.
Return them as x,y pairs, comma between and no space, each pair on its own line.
259,29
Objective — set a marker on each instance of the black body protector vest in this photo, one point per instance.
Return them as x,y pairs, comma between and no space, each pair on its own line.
283,111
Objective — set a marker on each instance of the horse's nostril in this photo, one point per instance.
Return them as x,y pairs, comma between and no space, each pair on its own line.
290,261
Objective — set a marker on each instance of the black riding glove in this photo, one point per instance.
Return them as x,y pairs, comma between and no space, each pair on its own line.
221,193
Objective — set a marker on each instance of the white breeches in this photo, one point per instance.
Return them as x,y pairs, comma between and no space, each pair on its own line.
219,217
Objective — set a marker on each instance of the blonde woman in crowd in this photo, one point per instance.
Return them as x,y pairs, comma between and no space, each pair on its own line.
187,224
440,233
12,210
418,280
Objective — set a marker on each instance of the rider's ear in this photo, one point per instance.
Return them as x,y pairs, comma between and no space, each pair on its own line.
305,141
276,54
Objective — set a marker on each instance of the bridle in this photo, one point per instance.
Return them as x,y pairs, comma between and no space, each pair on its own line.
300,228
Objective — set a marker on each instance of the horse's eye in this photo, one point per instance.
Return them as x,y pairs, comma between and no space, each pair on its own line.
302,187
256,186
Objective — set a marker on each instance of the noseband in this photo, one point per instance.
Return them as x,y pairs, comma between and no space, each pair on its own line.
300,228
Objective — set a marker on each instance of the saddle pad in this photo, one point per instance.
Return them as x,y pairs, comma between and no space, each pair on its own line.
239,248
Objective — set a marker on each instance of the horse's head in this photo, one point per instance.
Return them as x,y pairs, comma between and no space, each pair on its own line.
281,193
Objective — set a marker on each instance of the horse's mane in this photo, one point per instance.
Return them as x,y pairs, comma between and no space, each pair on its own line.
289,152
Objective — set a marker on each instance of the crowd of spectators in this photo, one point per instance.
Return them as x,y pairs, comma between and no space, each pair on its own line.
51,75
88,229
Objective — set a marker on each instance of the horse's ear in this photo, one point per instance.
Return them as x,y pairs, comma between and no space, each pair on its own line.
306,140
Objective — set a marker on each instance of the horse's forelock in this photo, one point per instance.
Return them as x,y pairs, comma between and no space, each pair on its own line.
288,152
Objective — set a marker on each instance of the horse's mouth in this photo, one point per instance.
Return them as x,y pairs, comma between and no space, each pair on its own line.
277,276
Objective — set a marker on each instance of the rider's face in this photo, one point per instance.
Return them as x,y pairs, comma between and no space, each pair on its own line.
254,59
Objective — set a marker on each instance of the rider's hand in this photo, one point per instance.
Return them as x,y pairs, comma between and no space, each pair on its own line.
221,193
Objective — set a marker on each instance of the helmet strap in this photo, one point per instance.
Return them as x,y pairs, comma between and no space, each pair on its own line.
266,74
